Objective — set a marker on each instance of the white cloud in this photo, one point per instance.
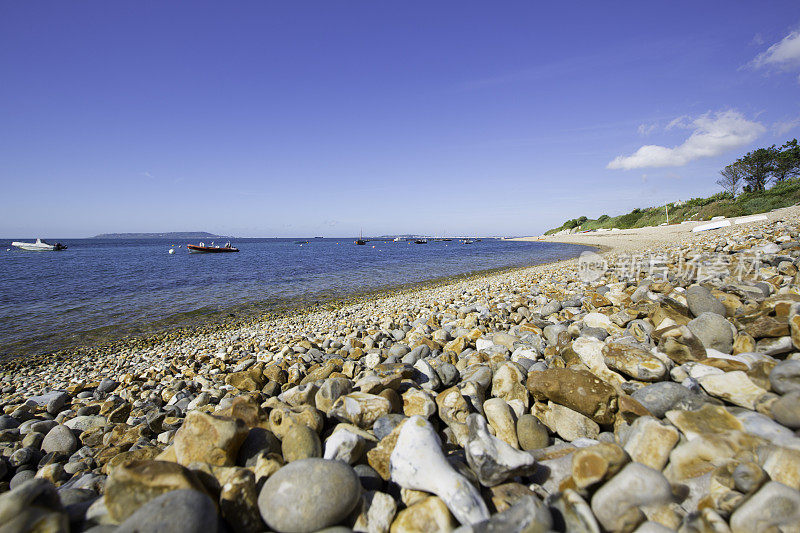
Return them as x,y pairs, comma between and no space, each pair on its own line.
682,121
713,134
646,129
784,127
784,54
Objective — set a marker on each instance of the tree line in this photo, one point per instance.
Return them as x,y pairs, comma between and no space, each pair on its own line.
755,170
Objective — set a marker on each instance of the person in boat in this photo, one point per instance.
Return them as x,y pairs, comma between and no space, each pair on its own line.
202,244
227,245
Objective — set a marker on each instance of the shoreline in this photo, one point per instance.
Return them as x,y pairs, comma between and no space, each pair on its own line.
639,239
532,394
246,314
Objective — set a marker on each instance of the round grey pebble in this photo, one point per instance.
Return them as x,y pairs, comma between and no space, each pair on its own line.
700,300
786,410
385,424
106,386
20,477
60,439
8,422
308,495
659,398
713,331
785,376
187,511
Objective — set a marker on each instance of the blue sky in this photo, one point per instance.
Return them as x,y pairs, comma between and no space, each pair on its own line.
320,118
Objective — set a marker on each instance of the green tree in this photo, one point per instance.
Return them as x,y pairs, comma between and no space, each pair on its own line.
787,161
732,176
758,166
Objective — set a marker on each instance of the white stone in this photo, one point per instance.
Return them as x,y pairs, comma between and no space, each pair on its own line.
597,320
734,387
634,487
417,462
590,352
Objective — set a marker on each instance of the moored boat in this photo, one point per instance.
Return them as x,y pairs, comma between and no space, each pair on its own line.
203,249
39,246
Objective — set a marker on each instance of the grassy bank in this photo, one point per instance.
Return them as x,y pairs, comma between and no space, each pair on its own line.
782,194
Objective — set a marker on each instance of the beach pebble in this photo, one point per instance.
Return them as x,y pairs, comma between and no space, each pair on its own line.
774,507
531,433
61,440
300,442
133,484
577,390
491,459
430,514
785,376
734,387
786,410
700,300
618,503
659,398
32,506
308,495
649,442
376,512
568,424
188,511
714,331
209,439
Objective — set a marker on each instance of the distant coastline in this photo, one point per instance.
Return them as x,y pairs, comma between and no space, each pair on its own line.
167,235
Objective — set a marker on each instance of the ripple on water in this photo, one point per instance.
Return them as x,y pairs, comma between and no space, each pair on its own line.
102,289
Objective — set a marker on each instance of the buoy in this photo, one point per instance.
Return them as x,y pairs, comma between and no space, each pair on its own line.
171,251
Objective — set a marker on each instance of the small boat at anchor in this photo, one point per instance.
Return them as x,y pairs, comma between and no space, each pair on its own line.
213,249
39,246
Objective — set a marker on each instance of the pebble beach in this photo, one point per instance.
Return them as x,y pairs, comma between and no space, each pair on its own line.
655,389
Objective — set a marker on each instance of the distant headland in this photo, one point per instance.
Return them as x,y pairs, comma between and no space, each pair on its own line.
167,235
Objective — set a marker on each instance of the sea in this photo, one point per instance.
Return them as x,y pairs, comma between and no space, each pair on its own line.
100,290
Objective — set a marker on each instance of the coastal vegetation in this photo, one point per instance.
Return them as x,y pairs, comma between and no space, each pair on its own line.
759,181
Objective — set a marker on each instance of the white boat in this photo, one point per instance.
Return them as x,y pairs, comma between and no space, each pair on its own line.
39,246
750,219
717,224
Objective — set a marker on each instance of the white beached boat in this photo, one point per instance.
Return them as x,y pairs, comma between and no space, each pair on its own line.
717,224
39,246
750,219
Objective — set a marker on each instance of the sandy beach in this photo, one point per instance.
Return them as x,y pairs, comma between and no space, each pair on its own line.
640,239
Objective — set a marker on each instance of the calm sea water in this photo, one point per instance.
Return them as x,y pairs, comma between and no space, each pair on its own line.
101,289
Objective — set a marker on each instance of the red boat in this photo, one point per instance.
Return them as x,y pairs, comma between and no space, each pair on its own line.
203,249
